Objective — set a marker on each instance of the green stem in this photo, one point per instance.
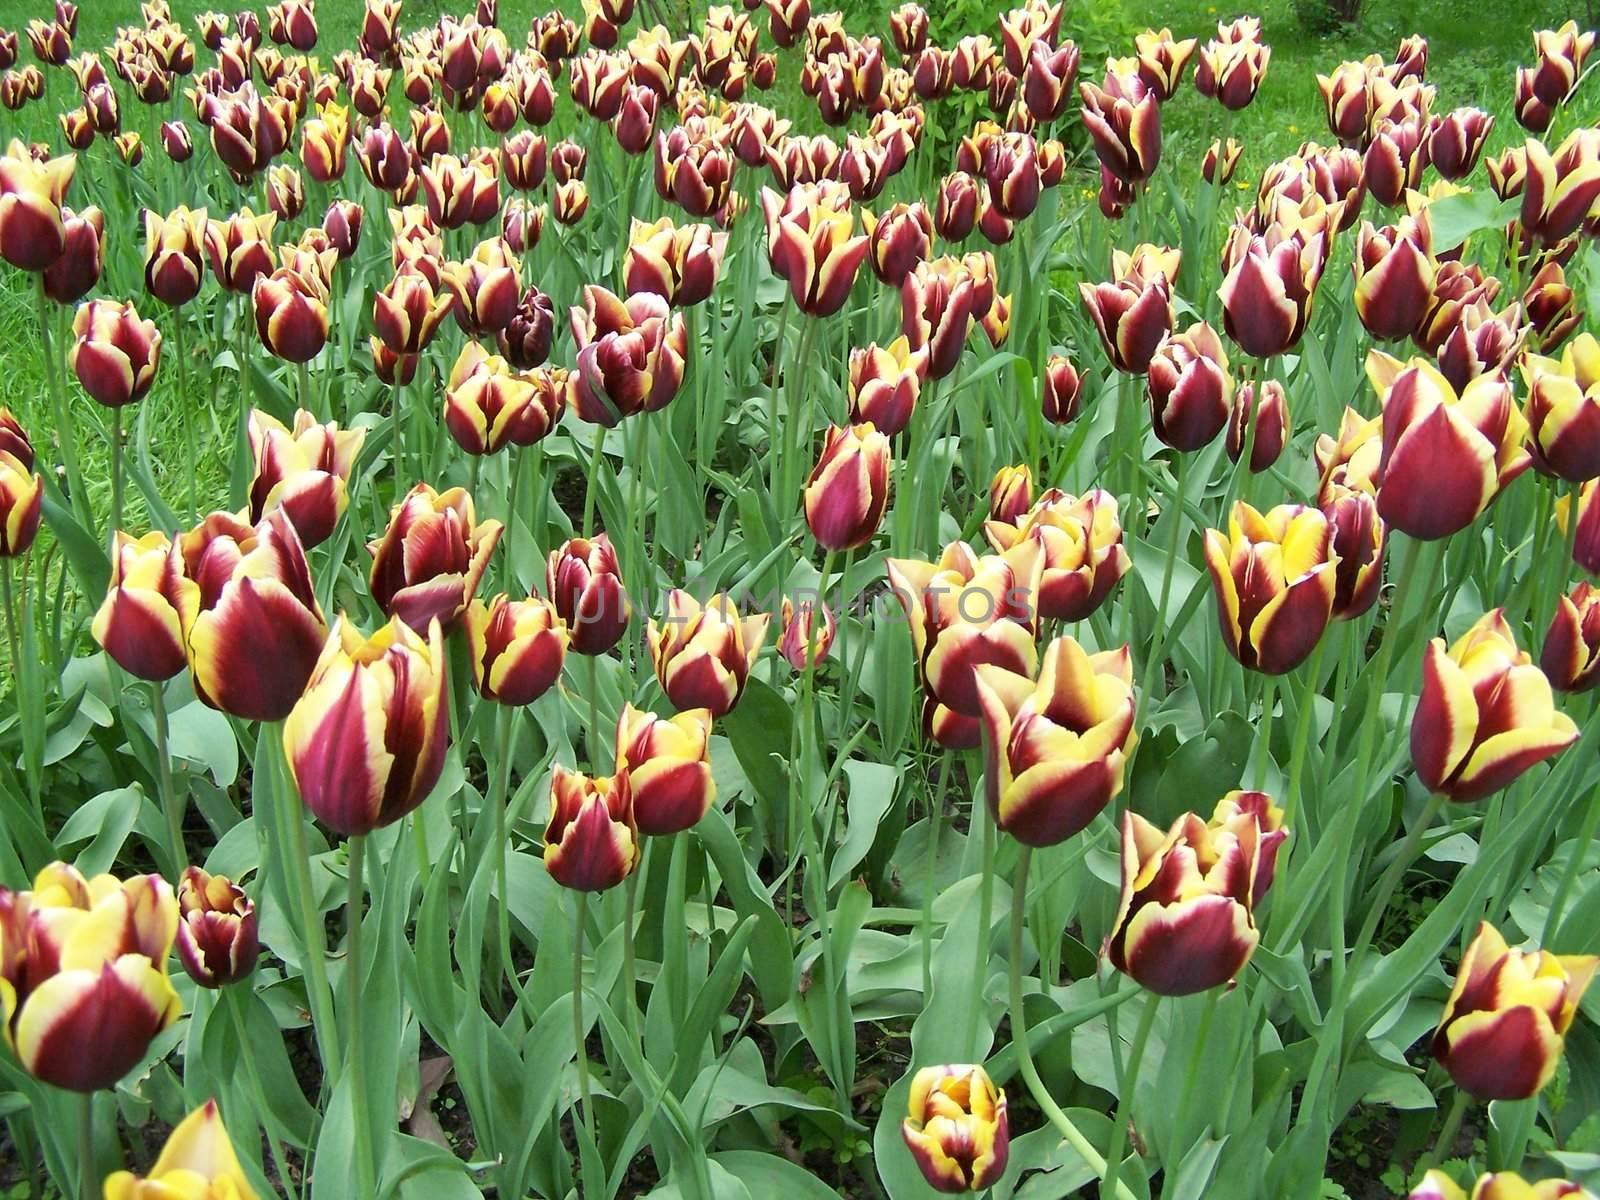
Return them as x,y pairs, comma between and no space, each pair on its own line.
1404,857
980,953
397,428
578,1029
89,1185
630,968
1574,864
1158,649
116,480
235,1006
935,822
1302,730
774,457
1125,1097
170,804
1191,1074
66,433
1269,704
504,720
366,1168
796,399
312,944
591,491
1447,1134
594,740
474,470
180,349
1069,1132
241,436
8,598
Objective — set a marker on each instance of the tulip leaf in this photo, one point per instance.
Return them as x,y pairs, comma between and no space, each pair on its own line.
872,790
772,1175
107,819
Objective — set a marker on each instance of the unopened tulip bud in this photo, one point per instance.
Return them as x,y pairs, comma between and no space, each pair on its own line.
149,604
1010,494
1061,389
1506,1021
585,585
21,491
1270,418
668,764
803,640
956,214
1571,657
83,253
1486,714
291,311
525,341
1394,271
1190,389
885,384
898,239
848,489
571,202
1551,307
32,232
217,940
1133,311
956,1128
1220,162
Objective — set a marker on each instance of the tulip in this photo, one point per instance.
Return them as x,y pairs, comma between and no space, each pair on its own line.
1561,54
84,990
898,239
1551,308
1271,280
1445,457
486,287
517,648
21,491
174,245
591,842
196,1160
1274,578
1186,921
240,249
630,355
1564,410
1047,79
305,471
407,312
430,559
939,299
1231,72
884,384
487,404
1458,288
908,29
116,353
1237,809
1061,389
1133,312
1394,271
703,655
291,310
1395,159
679,263
1080,544
1503,1028
1359,536
964,611
1123,120
1220,162
1480,342
82,258
522,224
956,212
1190,389
956,1129
366,742
147,608
1561,188
701,179
803,641
848,490
1456,140
571,202
1270,417
1010,494
32,231
459,192
325,143
667,762
525,341
51,41
217,939
810,246
1486,714
585,585
1055,749
1571,657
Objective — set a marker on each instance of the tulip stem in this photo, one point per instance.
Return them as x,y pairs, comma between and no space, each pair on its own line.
89,1183
180,349
397,426
502,838
1269,704
581,909
630,969
1404,857
241,437
1191,1074
796,398
366,1170
774,457
1302,731
590,491
8,598
1174,538
980,954
1575,859
474,469
230,999
1125,1093
1069,1132
66,435
1447,1134
170,805
935,822
312,948
116,480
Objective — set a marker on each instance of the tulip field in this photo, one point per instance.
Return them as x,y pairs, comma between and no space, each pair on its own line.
741,601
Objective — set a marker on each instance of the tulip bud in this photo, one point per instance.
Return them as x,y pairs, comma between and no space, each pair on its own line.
1486,714
1162,59
571,202
568,161
173,268
240,249
1270,283
1082,706
149,604
116,354
1080,546
486,288
956,213
1190,389
1010,494
898,239
1551,308
1061,389
32,232
291,310
885,384
1220,162
585,585
1232,71
810,245
525,341
522,224
517,648
1394,271
1476,439
197,1157
1571,657
964,611
1504,1026
630,355
1186,921
1274,577
82,259
21,491
668,765
703,655
848,490
1271,420
430,559
86,983
802,641
956,1128
217,939
1564,410
391,688
1456,139
591,842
